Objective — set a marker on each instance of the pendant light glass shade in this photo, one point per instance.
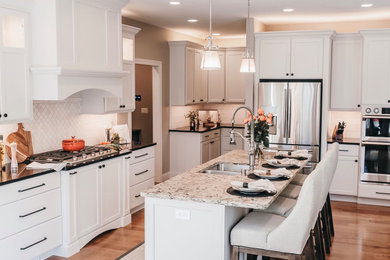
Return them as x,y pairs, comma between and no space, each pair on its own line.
210,57
248,65
210,61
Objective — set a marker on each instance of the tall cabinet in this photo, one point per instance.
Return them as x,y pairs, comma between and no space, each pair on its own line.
15,88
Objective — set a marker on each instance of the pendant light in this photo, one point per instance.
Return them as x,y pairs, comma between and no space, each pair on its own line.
210,57
248,62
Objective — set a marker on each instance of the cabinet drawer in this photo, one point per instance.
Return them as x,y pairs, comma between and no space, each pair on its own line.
29,212
211,135
135,192
141,171
32,242
142,155
348,150
29,187
374,191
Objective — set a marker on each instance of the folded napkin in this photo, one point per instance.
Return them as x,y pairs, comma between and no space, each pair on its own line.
302,153
46,166
293,154
259,185
288,161
280,172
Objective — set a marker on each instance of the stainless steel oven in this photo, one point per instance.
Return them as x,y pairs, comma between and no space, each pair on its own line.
376,144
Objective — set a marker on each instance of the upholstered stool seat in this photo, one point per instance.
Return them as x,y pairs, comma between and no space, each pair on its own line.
291,191
299,179
282,206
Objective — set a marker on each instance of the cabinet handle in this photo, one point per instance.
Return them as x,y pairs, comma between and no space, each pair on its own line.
382,193
28,214
141,172
40,185
72,173
142,155
128,157
201,100
137,196
207,136
40,241
5,115
212,142
343,150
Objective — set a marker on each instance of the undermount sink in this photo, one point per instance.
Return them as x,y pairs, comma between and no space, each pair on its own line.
225,168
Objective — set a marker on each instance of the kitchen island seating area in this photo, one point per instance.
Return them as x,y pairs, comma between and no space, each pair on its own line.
285,230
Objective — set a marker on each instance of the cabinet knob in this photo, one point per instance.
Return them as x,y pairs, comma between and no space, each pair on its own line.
103,165
193,100
124,106
358,105
388,101
5,115
0,115
356,160
100,166
287,74
292,74
201,100
223,99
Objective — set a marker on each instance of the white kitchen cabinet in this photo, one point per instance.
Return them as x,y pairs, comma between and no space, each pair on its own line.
376,66
291,55
346,72
346,178
189,75
216,82
96,103
200,79
193,149
15,48
235,82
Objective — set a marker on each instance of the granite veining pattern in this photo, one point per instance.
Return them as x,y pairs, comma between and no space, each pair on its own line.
211,188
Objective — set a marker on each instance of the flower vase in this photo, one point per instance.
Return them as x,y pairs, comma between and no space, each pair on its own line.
259,154
192,125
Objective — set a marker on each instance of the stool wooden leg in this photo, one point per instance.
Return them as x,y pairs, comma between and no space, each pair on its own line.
325,231
235,253
320,252
330,215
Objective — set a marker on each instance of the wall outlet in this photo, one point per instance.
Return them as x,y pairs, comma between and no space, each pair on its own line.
144,110
183,214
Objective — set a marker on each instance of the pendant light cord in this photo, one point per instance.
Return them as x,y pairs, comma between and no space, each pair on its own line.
210,34
247,32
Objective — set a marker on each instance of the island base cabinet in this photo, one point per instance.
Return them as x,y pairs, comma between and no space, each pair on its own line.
188,230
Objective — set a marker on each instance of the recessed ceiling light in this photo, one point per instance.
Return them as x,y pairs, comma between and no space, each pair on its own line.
192,20
216,34
366,5
288,10
174,3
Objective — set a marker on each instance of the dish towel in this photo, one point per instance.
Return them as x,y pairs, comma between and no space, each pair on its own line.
46,166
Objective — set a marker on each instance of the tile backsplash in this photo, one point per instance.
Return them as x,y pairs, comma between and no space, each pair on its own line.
55,121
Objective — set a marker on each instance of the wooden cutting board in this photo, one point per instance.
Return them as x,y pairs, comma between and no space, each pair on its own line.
24,142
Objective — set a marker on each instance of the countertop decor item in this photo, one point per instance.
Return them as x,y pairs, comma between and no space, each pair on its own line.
24,143
338,131
193,116
14,162
73,144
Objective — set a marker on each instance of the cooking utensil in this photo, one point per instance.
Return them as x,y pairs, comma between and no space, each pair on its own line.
73,144
24,144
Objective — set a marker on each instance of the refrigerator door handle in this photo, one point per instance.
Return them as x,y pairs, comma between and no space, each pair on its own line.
285,114
289,114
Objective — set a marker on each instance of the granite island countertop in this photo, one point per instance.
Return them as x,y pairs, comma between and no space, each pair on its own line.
211,188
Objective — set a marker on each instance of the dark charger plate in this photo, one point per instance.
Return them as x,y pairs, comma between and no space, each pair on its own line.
299,158
232,191
255,177
292,167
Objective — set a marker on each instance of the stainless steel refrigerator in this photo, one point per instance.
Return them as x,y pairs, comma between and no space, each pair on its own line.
297,114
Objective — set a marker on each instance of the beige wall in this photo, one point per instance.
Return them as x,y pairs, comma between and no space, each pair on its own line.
340,27
152,43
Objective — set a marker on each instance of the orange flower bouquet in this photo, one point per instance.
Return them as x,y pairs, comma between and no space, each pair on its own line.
262,124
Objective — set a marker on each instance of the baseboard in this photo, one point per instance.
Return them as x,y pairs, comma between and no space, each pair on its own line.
345,198
376,202
126,220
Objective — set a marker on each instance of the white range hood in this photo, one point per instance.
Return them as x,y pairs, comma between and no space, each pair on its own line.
76,46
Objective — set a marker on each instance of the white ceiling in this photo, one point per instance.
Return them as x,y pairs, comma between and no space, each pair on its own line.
229,15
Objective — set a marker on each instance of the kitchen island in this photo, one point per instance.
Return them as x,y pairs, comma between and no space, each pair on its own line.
190,216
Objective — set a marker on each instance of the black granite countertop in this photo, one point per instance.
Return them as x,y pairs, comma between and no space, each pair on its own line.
203,129
346,140
6,177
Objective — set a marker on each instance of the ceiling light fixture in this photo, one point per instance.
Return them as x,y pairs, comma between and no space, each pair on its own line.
248,62
210,57
192,20
174,3
366,5
288,10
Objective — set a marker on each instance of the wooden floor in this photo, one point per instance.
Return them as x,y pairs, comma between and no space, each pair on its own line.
362,232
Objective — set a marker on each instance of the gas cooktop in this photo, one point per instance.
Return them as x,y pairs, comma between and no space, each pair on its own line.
84,156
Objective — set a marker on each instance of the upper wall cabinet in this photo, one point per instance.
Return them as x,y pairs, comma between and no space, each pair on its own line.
376,66
291,55
346,72
189,84
15,89
97,104
77,45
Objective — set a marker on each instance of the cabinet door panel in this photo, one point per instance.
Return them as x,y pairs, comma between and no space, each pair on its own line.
346,73
307,57
88,200
215,148
205,151
190,71
235,80
199,78
345,181
274,59
376,76
15,91
111,191
216,86
128,98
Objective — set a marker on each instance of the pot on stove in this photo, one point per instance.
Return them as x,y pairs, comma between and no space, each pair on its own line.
73,144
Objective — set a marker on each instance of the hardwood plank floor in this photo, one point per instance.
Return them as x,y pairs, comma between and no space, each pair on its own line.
362,232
